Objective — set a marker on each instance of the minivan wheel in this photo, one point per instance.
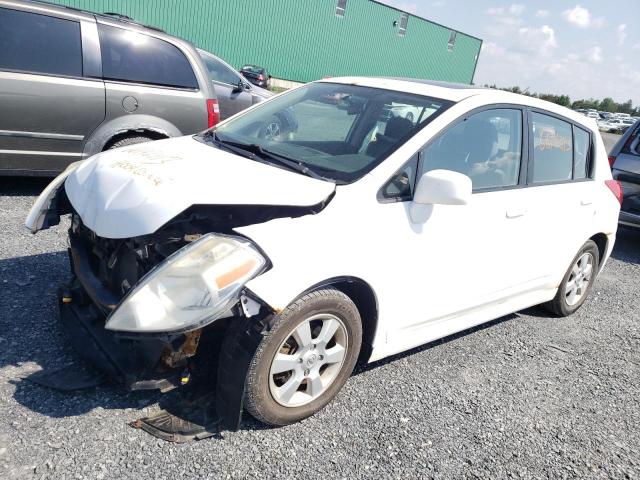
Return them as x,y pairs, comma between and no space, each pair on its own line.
305,359
123,142
577,282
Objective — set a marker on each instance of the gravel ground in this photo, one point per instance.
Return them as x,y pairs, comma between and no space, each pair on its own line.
526,396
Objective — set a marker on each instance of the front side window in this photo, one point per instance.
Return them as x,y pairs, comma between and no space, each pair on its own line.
219,72
39,44
130,56
340,132
486,146
552,149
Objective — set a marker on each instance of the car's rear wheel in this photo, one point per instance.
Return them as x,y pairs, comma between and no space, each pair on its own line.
132,140
305,359
577,282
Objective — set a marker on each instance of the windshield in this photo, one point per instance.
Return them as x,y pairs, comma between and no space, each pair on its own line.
333,131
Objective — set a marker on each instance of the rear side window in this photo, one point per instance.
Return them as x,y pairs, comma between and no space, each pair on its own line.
39,44
632,145
134,57
552,149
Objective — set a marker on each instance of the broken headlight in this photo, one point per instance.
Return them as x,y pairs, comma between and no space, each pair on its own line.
193,287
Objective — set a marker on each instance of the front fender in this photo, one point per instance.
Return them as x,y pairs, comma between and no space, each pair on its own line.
99,138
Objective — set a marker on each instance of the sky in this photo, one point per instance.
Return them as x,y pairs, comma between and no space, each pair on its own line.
584,49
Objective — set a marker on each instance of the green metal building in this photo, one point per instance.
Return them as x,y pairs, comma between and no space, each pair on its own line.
303,40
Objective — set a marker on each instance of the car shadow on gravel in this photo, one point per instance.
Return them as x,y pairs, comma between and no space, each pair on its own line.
627,248
31,339
23,186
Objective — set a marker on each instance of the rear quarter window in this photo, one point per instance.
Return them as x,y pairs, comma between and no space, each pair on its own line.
135,57
35,43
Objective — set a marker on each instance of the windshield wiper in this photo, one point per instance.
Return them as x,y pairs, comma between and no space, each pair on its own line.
256,152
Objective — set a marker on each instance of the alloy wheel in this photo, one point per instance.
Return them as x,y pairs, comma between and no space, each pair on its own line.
579,279
308,361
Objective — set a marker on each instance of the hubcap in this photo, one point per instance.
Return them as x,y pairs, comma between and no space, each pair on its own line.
579,279
308,361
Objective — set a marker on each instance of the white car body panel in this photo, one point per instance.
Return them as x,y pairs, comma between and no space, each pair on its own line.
463,265
133,191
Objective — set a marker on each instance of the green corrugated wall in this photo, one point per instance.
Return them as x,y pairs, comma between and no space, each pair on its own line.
304,40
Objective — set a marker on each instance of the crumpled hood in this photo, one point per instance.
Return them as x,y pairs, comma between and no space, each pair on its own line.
134,190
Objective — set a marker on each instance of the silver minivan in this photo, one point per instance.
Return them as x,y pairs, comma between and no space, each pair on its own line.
74,83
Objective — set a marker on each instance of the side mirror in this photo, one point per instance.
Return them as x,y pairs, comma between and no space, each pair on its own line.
443,187
239,87
439,187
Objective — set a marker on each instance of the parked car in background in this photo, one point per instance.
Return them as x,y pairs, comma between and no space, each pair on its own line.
75,83
235,94
256,75
625,167
260,240
616,125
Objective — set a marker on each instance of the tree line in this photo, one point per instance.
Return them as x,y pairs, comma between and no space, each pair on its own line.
607,104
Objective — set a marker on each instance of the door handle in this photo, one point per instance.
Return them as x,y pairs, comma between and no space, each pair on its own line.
516,212
586,201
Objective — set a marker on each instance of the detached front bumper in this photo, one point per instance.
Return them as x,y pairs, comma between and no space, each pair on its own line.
136,363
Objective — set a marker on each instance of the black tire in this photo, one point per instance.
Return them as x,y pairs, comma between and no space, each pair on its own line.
123,142
259,401
559,305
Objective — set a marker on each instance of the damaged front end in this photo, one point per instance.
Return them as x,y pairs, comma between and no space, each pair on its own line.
151,312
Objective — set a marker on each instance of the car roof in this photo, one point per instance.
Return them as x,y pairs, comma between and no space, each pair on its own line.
457,92
112,18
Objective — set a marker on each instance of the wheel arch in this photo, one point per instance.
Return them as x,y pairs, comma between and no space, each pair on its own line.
365,299
124,126
601,241
139,132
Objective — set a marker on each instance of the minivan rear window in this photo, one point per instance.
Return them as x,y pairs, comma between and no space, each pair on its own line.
130,56
35,43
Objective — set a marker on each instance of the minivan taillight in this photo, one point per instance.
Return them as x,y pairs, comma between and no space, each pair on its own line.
616,188
612,160
213,113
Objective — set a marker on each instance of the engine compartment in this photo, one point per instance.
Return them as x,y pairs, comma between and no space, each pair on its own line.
120,263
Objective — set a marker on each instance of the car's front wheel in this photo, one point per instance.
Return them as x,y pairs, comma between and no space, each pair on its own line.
577,282
305,359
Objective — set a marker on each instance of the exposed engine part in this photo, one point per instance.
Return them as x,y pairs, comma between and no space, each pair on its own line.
178,357
250,307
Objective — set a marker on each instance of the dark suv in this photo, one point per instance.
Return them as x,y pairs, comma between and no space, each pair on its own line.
625,167
74,83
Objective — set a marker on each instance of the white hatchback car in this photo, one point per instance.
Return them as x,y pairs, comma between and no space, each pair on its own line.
363,233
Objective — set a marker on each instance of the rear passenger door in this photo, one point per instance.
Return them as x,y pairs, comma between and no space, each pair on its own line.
560,192
49,103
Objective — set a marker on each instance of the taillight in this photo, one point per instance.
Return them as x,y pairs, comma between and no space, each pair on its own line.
616,188
612,160
213,113
260,77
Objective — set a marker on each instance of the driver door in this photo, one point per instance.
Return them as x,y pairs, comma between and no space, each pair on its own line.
461,259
